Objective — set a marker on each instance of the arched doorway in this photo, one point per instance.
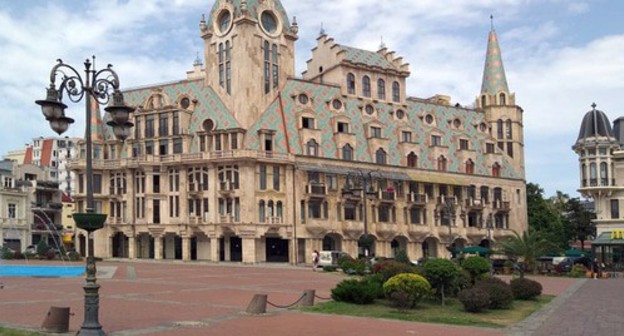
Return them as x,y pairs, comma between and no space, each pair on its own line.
120,246
366,246
332,242
398,244
485,243
430,248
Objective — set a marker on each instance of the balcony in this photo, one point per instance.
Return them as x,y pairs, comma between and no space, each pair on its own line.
501,205
387,196
227,219
354,229
474,203
273,220
418,199
316,190
443,200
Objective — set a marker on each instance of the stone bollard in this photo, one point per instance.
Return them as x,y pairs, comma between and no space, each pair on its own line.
308,298
57,320
258,304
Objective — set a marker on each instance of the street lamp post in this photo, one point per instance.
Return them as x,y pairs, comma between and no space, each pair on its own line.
101,86
365,179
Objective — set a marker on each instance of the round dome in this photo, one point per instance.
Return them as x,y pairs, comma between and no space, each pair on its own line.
595,124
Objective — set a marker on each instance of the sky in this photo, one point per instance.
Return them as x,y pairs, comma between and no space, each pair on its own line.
560,56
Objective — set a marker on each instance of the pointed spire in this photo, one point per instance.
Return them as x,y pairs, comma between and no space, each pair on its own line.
322,32
382,45
198,61
494,78
97,125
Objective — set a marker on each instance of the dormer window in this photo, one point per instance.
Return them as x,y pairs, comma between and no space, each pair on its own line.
469,167
343,127
436,140
347,153
496,170
406,136
312,148
442,163
375,132
412,160
380,156
307,123
502,99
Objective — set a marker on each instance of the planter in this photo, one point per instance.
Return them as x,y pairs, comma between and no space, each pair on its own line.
89,221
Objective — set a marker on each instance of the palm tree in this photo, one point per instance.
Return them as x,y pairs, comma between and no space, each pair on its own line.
528,246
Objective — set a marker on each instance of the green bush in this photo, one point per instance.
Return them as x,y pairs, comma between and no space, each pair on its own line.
390,268
476,266
6,254
411,287
440,273
461,282
354,267
375,284
474,300
402,257
501,296
578,271
354,291
525,289
42,248
73,256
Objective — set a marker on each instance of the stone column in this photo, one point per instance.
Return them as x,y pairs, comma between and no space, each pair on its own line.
158,250
186,248
214,249
249,250
132,252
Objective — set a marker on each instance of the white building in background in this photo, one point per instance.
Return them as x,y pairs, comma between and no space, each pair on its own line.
52,154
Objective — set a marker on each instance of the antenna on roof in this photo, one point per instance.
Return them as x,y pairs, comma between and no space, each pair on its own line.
382,45
322,29
492,21
198,60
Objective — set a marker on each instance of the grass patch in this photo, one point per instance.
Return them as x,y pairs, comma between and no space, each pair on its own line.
452,313
16,332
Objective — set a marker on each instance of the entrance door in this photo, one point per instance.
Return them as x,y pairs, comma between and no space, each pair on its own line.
276,250
236,249
194,248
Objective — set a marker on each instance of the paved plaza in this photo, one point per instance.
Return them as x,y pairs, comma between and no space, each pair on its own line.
148,298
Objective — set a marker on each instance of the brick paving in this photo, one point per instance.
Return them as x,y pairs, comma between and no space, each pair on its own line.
149,298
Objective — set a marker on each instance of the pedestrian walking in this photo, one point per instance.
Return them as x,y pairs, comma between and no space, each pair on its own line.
315,260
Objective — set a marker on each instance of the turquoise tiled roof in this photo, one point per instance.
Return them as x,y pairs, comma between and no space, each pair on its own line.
365,57
252,8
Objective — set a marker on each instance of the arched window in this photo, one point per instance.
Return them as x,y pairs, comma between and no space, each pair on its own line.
396,92
380,156
261,212
366,86
508,125
381,89
347,152
221,56
275,67
312,148
412,160
483,101
278,209
499,129
228,67
502,99
584,174
267,67
351,83
593,174
270,209
442,163
604,174
469,167
496,170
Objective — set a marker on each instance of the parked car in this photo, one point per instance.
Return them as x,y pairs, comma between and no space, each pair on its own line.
565,265
330,258
31,249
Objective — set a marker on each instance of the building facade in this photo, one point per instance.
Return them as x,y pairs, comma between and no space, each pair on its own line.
53,155
240,161
14,209
600,147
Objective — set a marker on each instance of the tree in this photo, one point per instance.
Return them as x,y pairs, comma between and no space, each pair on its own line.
476,266
578,222
528,246
441,273
546,216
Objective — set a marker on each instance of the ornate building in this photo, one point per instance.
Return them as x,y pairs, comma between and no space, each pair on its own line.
601,161
243,162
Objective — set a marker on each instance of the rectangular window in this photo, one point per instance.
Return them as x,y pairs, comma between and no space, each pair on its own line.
406,136
177,146
276,178
343,127
314,209
415,215
510,149
615,209
263,177
163,124
97,183
202,143
307,123
375,132
489,148
350,212
501,145
149,126
163,147
156,183
234,141
137,128
156,211
463,144
12,210
331,181
176,123
149,147
436,140
268,142
218,146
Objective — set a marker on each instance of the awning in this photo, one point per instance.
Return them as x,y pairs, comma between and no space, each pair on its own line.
605,238
328,169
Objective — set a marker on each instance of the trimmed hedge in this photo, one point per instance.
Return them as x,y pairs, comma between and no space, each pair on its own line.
476,266
407,289
501,296
525,289
355,291
475,299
